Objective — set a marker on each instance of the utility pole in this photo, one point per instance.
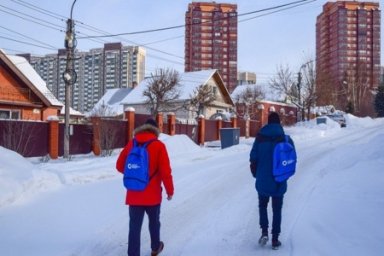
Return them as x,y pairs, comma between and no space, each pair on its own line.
69,77
299,94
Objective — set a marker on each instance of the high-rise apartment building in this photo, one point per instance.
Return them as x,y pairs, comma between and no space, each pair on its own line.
114,66
348,51
211,39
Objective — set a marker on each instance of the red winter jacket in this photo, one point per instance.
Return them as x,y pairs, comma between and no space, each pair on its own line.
158,160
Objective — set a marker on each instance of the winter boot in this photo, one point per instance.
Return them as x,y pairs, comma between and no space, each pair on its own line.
159,250
275,242
264,238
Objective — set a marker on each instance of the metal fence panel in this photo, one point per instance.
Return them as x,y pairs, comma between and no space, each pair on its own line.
29,139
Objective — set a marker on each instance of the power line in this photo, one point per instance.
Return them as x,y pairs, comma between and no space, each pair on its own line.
79,23
181,26
283,9
27,43
40,10
51,25
27,37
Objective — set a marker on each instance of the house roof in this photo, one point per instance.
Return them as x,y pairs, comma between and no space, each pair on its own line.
189,82
30,77
112,99
72,112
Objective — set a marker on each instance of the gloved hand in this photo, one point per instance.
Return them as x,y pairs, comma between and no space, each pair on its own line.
253,167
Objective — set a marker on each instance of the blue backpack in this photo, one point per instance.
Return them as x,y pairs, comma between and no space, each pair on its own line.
284,160
136,170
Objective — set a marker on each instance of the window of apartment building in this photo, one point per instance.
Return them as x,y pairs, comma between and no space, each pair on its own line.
206,42
9,114
206,28
206,56
206,62
196,20
206,48
206,35
206,14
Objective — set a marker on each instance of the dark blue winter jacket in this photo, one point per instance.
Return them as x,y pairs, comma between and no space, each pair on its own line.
261,159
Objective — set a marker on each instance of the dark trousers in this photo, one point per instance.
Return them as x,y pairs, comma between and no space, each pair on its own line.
277,204
136,216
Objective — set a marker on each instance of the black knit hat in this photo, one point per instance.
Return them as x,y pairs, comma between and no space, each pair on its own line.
273,118
152,122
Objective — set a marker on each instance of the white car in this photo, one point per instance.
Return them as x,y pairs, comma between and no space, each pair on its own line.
338,118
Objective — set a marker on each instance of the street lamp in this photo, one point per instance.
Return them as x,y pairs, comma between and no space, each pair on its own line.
69,76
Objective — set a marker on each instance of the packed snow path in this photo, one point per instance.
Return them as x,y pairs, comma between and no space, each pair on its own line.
336,198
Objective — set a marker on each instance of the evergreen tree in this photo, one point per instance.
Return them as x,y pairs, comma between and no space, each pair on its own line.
379,101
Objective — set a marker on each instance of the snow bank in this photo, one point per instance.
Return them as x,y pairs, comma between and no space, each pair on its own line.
20,179
177,142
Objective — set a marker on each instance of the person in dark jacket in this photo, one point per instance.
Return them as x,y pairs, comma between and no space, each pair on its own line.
261,157
149,200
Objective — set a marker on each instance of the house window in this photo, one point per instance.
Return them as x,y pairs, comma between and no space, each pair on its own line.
214,90
9,114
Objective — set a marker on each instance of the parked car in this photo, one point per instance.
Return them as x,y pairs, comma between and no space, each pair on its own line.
338,118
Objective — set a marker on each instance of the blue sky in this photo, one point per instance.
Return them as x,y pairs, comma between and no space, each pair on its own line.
286,37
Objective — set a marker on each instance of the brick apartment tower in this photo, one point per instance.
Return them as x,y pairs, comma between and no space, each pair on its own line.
348,53
211,39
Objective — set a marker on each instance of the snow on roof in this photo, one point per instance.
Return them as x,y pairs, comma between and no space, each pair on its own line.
189,81
112,100
72,112
27,70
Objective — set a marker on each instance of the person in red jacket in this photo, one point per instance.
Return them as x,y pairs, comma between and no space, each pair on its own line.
149,200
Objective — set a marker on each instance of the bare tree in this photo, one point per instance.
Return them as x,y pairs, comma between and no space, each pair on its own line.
283,83
247,99
308,93
107,131
19,136
162,91
357,88
201,97
108,136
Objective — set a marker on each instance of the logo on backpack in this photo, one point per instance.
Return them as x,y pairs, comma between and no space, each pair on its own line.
284,160
136,171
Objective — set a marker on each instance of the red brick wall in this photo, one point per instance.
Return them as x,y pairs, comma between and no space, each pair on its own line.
17,93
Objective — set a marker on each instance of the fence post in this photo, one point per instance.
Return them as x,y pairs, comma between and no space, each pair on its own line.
53,139
219,122
201,127
234,121
262,116
171,124
130,116
160,121
96,135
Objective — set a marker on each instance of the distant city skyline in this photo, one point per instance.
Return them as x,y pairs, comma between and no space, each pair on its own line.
266,39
